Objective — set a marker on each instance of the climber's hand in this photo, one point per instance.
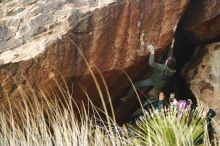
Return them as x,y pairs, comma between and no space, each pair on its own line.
152,51
173,41
151,48
174,28
124,99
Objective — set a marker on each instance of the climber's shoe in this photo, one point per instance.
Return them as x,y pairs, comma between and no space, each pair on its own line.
124,99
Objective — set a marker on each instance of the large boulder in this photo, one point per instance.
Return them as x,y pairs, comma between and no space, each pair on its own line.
37,40
202,74
202,20
201,24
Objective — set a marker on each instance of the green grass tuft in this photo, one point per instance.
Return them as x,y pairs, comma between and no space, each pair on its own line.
171,127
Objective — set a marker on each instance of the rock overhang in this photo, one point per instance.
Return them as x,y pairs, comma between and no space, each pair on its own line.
28,27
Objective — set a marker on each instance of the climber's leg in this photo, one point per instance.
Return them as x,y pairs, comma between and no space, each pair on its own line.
137,85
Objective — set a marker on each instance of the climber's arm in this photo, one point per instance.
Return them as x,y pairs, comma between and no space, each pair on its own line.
152,62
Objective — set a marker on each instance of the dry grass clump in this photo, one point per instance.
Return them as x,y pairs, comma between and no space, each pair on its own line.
39,121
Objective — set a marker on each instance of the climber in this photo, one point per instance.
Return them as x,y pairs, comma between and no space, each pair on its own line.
161,74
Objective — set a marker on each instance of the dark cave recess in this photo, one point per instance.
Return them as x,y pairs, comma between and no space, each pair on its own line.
183,51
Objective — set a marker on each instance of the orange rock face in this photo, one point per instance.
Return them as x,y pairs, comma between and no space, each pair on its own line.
39,47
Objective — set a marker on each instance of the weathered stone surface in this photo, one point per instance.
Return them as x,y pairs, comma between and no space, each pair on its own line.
36,40
202,74
202,20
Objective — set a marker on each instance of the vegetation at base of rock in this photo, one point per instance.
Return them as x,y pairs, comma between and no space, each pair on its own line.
171,127
37,121
42,121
